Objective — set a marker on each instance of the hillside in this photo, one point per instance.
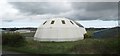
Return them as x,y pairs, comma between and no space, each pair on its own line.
107,33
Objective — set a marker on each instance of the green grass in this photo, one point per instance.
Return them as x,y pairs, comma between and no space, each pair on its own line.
86,46
35,47
96,46
0,47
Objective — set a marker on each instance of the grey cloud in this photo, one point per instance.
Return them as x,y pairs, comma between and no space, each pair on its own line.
96,10
36,8
75,10
95,6
7,20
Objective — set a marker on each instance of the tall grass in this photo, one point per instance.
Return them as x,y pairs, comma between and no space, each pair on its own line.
97,46
13,39
86,46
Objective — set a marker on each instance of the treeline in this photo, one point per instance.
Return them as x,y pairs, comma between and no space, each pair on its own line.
95,29
14,29
34,29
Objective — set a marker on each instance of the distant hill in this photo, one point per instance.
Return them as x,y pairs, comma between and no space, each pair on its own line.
107,33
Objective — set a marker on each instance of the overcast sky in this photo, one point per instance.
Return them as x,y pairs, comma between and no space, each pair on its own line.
37,11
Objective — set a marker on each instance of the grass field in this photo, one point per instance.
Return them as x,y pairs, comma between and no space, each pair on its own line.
86,46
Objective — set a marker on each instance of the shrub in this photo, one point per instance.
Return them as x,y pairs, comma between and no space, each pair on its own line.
13,39
87,36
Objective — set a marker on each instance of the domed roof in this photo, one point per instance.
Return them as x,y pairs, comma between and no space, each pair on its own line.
60,22
60,29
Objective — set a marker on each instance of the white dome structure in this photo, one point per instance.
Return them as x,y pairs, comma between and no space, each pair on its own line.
60,29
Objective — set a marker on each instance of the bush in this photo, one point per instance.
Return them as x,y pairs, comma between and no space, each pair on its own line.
13,39
87,36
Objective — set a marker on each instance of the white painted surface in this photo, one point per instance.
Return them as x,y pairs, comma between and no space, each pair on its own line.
59,31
